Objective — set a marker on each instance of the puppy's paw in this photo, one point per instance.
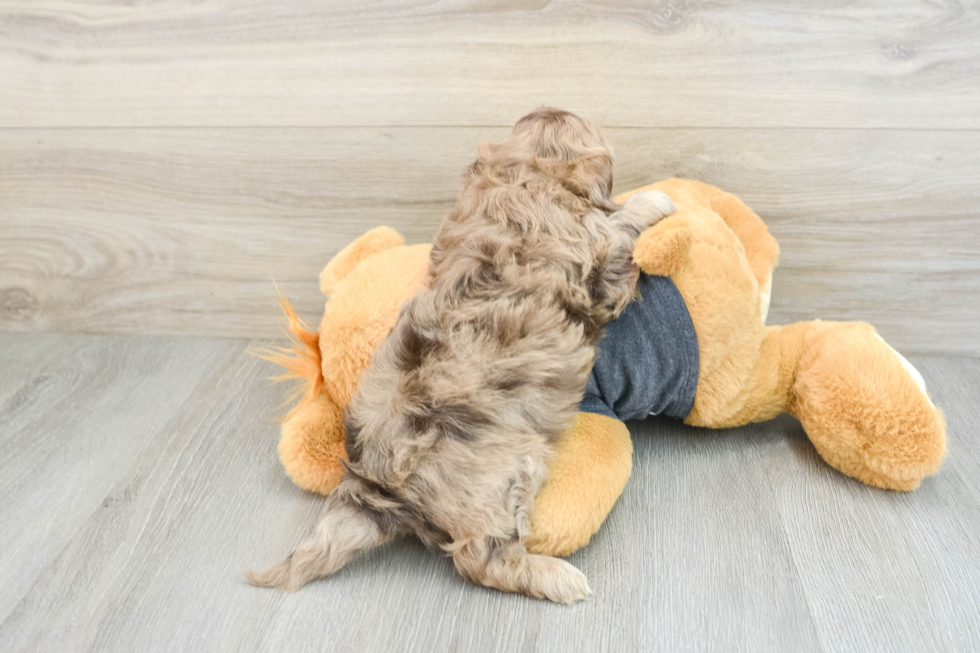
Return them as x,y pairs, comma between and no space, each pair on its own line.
564,583
649,207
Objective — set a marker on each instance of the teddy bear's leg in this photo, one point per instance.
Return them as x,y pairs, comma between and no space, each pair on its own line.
707,264
866,410
761,249
312,444
592,463
863,406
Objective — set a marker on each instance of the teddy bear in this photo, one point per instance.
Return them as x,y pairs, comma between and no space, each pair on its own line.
695,347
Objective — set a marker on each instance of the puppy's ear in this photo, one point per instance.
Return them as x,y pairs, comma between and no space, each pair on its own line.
485,151
591,176
508,153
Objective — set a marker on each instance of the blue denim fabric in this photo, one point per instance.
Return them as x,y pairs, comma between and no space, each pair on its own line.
647,363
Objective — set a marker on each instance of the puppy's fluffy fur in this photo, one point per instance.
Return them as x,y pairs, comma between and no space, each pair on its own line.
450,430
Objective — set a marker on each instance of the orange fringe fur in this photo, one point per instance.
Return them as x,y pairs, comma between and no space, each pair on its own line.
301,359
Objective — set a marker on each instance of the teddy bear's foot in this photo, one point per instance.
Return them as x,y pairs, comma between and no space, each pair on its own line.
866,410
312,444
592,463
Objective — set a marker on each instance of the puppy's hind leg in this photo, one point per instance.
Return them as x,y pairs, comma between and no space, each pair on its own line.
349,527
510,568
524,487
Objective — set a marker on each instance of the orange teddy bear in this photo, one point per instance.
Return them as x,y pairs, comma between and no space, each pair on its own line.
863,406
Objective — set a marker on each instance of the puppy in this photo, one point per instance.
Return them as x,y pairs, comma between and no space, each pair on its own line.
451,428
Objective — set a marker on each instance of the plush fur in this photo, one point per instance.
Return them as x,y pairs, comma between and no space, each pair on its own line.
451,427
863,407
858,401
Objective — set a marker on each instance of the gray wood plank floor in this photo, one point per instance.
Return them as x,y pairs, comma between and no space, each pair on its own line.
138,478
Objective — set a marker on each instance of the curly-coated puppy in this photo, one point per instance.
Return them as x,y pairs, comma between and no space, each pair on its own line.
451,428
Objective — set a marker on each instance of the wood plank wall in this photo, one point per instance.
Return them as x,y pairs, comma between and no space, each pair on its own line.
161,163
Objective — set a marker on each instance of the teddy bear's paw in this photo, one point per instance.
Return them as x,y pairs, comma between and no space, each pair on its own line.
908,367
649,207
866,410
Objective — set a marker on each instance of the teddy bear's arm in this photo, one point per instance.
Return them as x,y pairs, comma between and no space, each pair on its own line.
662,249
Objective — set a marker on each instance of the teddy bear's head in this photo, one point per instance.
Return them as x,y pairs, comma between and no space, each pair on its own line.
366,284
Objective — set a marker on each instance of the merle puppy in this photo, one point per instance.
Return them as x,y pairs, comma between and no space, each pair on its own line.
451,428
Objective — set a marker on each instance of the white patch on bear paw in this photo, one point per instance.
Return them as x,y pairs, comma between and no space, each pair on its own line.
765,295
909,367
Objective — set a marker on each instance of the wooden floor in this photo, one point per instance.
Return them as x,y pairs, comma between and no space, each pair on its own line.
138,478
162,162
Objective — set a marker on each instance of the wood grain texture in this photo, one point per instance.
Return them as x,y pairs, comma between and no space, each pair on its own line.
197,459
182,231
74,426
21,358
888,571
738,540
162,162
906,63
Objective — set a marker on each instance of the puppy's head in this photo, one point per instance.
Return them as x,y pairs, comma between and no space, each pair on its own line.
556,134
566,146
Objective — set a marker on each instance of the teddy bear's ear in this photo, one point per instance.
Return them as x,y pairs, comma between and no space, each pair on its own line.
377,240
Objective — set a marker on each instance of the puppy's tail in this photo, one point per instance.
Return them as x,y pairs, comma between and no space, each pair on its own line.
350,527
